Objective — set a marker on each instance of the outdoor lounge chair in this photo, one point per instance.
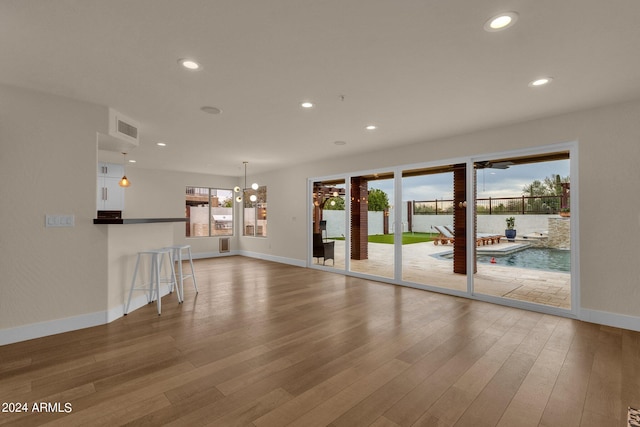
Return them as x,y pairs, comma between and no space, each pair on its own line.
447,236
483,238
489,238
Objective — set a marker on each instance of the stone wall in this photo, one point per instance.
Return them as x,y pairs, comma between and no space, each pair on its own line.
560,233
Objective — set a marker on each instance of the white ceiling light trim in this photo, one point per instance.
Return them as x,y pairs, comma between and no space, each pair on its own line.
501,21
189,64
371,127
542,81
307,104
211,110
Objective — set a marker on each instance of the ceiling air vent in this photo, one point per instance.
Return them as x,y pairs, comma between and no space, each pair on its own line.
127,129
123,128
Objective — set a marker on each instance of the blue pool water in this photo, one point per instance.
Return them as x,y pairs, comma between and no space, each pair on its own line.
536,258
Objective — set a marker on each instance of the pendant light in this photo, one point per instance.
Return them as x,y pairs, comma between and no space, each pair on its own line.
254,186
124,182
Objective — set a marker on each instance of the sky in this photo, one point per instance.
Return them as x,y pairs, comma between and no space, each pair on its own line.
491,182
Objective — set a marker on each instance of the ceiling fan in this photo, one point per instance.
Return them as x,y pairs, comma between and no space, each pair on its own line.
494,165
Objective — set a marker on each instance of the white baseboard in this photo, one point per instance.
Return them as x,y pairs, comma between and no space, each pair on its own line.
279,259
202,255
59,326
51,327
616,320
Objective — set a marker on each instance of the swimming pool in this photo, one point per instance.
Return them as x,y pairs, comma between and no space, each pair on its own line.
535,258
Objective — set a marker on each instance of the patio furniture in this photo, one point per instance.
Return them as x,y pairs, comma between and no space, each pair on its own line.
447,236
482,238
489,238
323,230
322,249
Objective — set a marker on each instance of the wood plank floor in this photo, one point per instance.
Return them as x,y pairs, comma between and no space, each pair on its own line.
265,344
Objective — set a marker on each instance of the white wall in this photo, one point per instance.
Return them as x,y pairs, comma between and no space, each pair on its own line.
609,148
494,224
48,166
336,224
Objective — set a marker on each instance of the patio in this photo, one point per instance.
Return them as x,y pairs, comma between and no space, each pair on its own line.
419,266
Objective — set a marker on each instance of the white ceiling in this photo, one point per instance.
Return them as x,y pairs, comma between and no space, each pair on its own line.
419,69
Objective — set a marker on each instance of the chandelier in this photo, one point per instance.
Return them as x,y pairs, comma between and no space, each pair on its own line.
239,190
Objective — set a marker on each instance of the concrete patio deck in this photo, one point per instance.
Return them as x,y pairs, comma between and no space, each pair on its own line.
419,266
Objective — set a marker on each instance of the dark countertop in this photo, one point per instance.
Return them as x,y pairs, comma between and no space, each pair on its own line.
136,220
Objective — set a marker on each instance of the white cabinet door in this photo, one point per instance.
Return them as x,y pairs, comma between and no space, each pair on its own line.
112,170
110,194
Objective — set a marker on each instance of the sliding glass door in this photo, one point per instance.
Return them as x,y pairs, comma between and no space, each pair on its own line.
449,227
429,248
532,261
328,225
372,228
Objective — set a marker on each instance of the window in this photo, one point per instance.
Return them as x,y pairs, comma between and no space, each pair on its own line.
255,212
209,212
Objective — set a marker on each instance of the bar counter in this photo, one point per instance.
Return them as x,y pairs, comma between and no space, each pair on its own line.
136,220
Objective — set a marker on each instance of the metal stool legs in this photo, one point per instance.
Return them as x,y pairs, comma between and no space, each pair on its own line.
152,288
176,252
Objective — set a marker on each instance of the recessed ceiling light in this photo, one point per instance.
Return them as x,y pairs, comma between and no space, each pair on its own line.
501,22
161,144
371,127
340,142
540,82
131,161
211,110
306,104
189,64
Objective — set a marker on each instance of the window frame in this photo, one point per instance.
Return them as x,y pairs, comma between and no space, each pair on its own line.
259,204
211,224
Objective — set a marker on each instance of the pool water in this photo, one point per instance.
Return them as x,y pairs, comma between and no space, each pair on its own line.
537,258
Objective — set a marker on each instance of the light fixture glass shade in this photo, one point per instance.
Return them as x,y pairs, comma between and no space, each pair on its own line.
237,189
253,197
239,199
124,182
255,186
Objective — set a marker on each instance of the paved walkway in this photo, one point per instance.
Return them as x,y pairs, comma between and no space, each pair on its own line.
419,266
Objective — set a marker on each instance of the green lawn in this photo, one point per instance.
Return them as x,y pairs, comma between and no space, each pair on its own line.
407,238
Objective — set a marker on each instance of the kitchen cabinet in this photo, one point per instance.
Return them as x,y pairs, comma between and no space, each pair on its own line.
110,196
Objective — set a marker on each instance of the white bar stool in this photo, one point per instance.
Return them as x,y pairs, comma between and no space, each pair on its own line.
176,256
152,287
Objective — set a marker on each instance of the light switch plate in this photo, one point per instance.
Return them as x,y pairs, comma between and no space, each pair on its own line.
59,221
